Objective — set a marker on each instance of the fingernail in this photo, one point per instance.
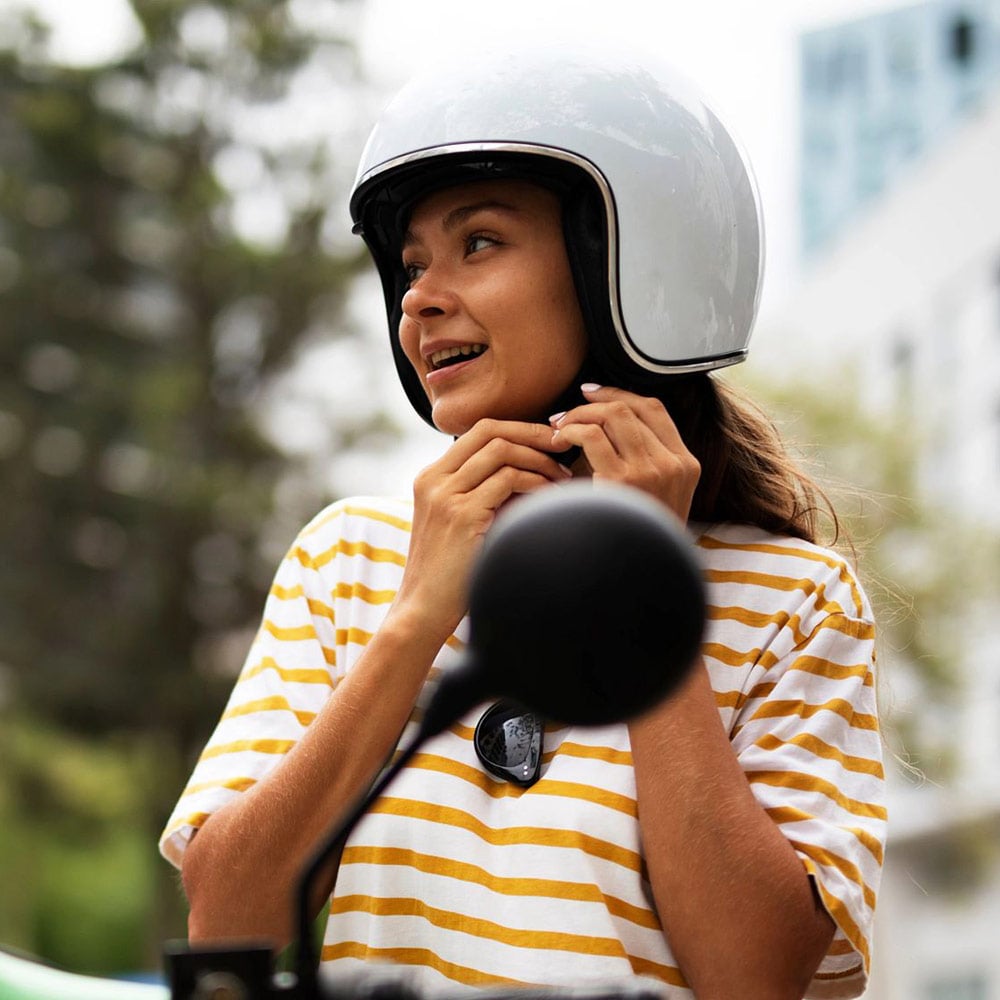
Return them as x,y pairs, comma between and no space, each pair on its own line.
589,387
556,417
568,473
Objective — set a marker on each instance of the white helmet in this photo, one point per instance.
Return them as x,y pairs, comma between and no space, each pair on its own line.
660,208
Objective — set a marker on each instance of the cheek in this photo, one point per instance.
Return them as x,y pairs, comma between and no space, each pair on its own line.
567,338
409,340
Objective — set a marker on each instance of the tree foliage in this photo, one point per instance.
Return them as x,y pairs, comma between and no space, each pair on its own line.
930,572
142,320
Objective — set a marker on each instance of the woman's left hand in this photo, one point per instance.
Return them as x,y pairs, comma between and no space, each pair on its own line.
632,439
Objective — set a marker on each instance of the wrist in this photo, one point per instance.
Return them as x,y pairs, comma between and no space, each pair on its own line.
409,627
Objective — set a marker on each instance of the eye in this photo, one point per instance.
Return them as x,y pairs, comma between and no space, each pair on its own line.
413,270
479,241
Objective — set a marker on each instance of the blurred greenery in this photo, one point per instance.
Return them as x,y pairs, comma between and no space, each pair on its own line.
142,330
929,572
142,324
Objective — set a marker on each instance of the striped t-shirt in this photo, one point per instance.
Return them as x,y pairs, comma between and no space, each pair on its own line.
470,880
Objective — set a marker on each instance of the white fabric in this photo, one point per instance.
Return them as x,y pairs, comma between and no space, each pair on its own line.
471,880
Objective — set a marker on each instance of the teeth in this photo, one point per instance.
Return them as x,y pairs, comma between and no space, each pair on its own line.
438,358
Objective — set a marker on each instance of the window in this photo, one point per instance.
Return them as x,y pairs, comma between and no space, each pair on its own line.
962,42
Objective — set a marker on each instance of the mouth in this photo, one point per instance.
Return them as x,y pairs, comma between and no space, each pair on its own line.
454,355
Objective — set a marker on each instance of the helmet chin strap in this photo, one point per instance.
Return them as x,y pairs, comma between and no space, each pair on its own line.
570,397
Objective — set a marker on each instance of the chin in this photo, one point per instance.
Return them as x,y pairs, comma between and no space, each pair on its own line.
455,422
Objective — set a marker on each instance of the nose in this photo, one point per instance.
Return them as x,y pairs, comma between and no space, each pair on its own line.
427,299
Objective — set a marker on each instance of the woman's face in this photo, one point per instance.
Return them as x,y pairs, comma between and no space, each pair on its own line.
491,322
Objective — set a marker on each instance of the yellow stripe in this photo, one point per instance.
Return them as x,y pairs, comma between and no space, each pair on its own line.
356,635
531,835
820,748
856,629
233,784
856,970
781,708
274,703
415,957
423,957
195,820
539,940
840,946
290,633
293,675
754,619
848,869
737,699
609,755
784,584
241,746
346,591
790,814
809,783
300,633
358,591
549,888
502,789
343,547
707,541
367,512
319,609
843,570
840,914
818,667
731,657
668,973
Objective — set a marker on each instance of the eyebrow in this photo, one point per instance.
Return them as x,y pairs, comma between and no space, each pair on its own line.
459,215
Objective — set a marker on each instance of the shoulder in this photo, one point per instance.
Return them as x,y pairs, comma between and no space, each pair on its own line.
375,519
739,555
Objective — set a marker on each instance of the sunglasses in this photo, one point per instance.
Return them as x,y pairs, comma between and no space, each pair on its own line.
508,743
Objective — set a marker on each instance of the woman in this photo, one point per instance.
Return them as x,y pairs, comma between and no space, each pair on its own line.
568,245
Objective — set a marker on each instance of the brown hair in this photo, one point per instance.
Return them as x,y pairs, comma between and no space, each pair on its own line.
747,473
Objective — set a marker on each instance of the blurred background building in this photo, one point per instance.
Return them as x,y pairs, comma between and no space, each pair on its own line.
878,92
193,360
898,310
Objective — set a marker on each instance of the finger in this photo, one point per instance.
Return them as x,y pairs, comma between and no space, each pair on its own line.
649,411
505,483
627,434
600,451
499,453
532,435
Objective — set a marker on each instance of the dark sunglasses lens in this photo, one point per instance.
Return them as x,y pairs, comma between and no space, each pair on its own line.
508,741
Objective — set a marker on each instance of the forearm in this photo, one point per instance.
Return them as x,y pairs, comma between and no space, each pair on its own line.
241,869
735,901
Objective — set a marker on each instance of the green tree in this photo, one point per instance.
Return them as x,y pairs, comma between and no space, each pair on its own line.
142,323
930,572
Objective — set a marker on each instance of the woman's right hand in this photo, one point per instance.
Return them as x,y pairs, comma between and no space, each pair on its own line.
456,499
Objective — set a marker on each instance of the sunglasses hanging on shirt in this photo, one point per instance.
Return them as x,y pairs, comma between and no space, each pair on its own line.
508,743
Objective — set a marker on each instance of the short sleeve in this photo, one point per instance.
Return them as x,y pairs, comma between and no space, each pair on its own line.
807,737
288,675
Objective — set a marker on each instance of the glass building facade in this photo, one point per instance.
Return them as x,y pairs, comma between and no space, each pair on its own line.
879,91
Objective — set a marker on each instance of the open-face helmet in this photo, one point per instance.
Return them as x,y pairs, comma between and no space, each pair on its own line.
660,208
